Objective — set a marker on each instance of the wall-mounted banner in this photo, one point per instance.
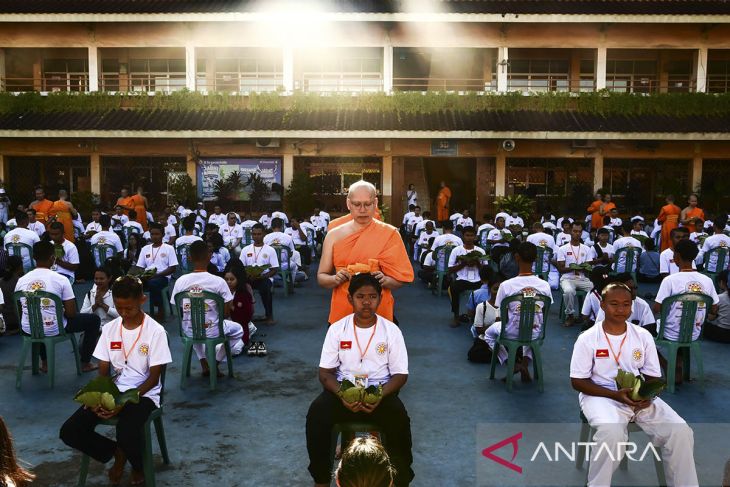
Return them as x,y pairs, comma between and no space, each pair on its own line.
211,170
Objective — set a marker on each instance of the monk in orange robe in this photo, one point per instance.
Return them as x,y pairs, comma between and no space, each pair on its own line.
669,218
126,201
691,214
63,212
140,206
348,218
600,208
41,205
442,203
363,242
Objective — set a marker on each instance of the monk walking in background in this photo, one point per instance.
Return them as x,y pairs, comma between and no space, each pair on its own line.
41,205
63,211
600,208
125,201
691,214
442,202
669,218
363,244
140,206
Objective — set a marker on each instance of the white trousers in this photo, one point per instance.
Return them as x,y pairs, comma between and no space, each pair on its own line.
234,332
569,285
491,335
554,278
660,422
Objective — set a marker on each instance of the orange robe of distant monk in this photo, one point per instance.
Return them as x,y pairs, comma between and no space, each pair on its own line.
42,209
669,218
126,203
594,210
348,218
62,213
141,209
694,213
442,204
376,241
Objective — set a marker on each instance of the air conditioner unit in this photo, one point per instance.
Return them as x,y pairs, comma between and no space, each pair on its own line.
267,142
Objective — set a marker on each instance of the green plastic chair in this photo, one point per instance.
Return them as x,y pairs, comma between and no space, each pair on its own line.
35,300
284,253
580,296
721,254
483,241
185,264
155,418
101,253
528,302
312,241
541,270
247,238
690,304
20,249
631,259
166,306
198,305
129,231
441,258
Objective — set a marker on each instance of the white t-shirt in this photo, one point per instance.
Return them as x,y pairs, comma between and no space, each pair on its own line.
219,219
134,224
172,220
385,357
106,237
666,262
70,255
412,222
685,282
265,220
197,282
446,239
464,222
258,256
248,223
24,236
513,220
562,239
616,222
150,349
93,227
592,305
579,254
624,242
37,227
412,196
641,233
467,273
607,250
160,257
170,232
485,226
455,217
318,221
186,240
231,233
118,222
713,242
281,215
485,314
496,235
293,234
420,226
592,357
42,279
424,237
279,238
696,236
541,239
518,285
408,216
641,313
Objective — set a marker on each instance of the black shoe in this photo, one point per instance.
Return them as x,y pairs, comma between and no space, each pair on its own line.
261,350
253,349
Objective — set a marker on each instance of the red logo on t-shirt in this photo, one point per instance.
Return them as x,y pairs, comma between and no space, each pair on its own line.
115,346
345,345
569,253
602,353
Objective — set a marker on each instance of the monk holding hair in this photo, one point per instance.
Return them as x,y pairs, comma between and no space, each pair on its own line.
363,244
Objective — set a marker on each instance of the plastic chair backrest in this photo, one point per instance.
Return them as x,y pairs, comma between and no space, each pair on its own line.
283,254
247,239
310,237
529,301
482,239
441,257
631,260
183,253
102,252
722,259
198,305
542,267
690,305
19,248
34,301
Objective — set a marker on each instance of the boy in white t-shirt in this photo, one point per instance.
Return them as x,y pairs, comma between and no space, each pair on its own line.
201,280
598,355
525,280
626,241
574,252
667,266
719,239
259,254
33,224
21,234
366,349
163,259
67,257
232,233
134,349
466,273
106,237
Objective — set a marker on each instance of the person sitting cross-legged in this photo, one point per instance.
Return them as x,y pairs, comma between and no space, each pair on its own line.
201,280
525,257
599,353
260,254
467,272
42,278
162,258
365,349
134,349
572,280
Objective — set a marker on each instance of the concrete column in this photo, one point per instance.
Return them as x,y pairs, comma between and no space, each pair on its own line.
95,172
210,73
700,70
287,172
2,69
38,84
190,68
4,170
487,69
387,175
485,186
93,71
574,76
598,171
601,68
696,172
663,79
502,69
500,174
192,167
397,181
388,69
287,65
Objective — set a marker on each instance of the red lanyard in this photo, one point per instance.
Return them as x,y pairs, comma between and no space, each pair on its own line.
357,341
154,255
616,357
121,338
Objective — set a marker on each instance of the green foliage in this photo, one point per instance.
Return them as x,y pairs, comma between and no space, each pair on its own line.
226,189
84,201
181,188
259,190
300,195
518,203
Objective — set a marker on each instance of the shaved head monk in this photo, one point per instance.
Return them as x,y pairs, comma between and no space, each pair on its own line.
363,244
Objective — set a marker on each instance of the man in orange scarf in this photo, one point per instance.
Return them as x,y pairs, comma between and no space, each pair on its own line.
442,203
600,208
363,244
669,218
41,205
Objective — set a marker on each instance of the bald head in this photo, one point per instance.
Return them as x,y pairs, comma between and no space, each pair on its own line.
362,201
361,188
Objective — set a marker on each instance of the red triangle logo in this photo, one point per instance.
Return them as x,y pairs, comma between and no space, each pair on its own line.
487,452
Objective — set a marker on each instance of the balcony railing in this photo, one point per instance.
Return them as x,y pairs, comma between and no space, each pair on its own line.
147,82
331,82
649,84
241,82
50,82
541,82
718,83
443,84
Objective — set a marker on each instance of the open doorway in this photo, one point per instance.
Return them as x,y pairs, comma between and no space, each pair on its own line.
459,175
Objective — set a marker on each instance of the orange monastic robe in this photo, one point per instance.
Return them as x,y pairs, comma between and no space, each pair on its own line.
42,209
126,203
594,210
60,210
669,218
348,218
442,201
694,213
141,209
376,241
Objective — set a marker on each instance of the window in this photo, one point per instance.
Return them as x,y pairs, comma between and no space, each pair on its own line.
643,183
718,76
540,177
631,76
539,74
332,176
679,76
157,74
243,74
65,75
149,172
354,70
